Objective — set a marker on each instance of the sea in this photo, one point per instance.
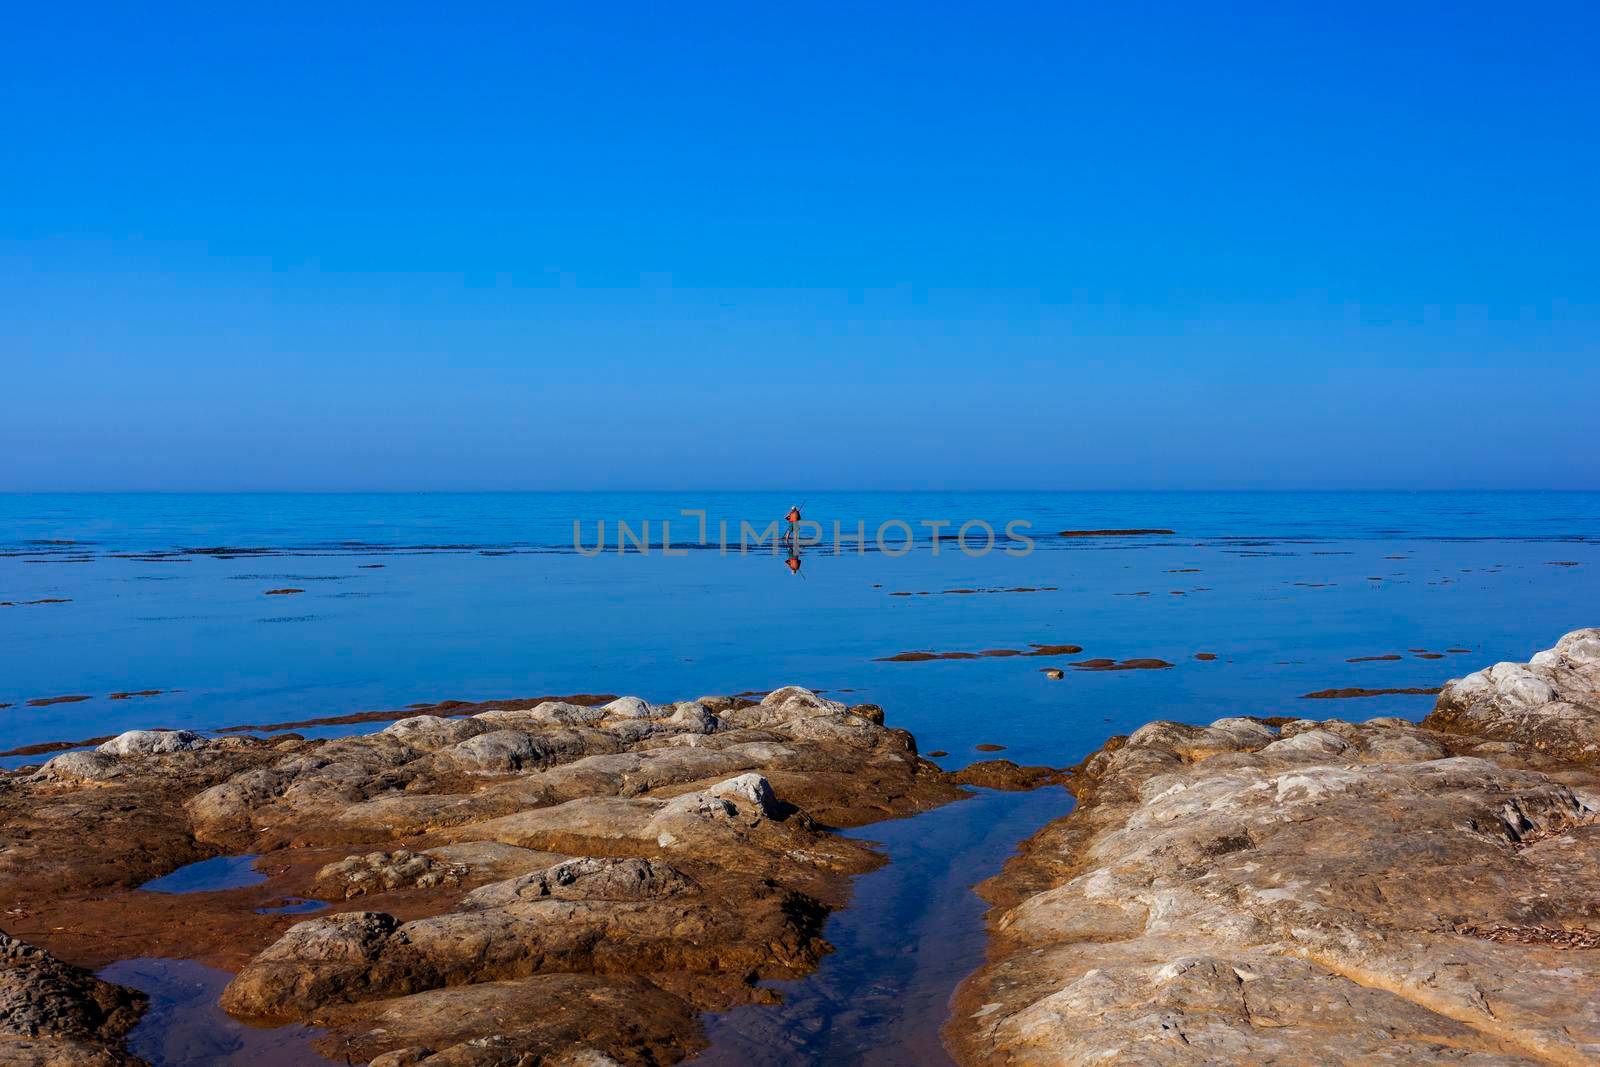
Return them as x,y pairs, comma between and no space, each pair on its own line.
412,598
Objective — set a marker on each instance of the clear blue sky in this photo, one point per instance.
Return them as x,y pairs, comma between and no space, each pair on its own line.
922,245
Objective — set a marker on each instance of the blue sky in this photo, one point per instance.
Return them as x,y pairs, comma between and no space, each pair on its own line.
748,246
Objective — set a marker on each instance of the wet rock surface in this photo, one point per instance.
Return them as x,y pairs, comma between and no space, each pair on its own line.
1004,774
52,1013
1034,650
1122,665
1306,892
551,883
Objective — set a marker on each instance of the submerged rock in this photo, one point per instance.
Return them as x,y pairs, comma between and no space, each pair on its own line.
1318,892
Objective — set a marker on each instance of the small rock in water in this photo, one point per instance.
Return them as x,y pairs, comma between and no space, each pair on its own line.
1125,665
1003,774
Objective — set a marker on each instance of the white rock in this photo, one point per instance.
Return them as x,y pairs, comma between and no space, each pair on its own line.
545,713
693,717
1319,741
1580,648
746,789
81,767
498,751
152,742
432,732
793,701
629,708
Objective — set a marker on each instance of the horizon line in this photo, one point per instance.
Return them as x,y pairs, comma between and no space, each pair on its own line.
780,489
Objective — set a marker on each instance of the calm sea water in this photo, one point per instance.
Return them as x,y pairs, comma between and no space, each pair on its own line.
424,597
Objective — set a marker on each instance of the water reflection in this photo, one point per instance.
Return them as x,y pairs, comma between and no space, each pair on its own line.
184,1025
912,932
209,876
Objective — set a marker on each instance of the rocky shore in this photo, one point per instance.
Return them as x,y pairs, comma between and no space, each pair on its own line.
556,884
1311,892
576,883
56,1015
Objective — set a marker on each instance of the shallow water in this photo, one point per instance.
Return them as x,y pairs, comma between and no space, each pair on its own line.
1283,588
209,876
184,1026
913,931
294,906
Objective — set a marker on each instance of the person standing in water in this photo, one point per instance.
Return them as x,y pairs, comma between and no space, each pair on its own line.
793,537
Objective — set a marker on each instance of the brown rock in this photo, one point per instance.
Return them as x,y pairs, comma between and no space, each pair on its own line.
1003,774
1124,665
445,708
1355,692
988,653
56,1015
549,883
378,872
636,1020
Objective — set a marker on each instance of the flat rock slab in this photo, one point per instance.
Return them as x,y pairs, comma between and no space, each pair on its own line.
1315,892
